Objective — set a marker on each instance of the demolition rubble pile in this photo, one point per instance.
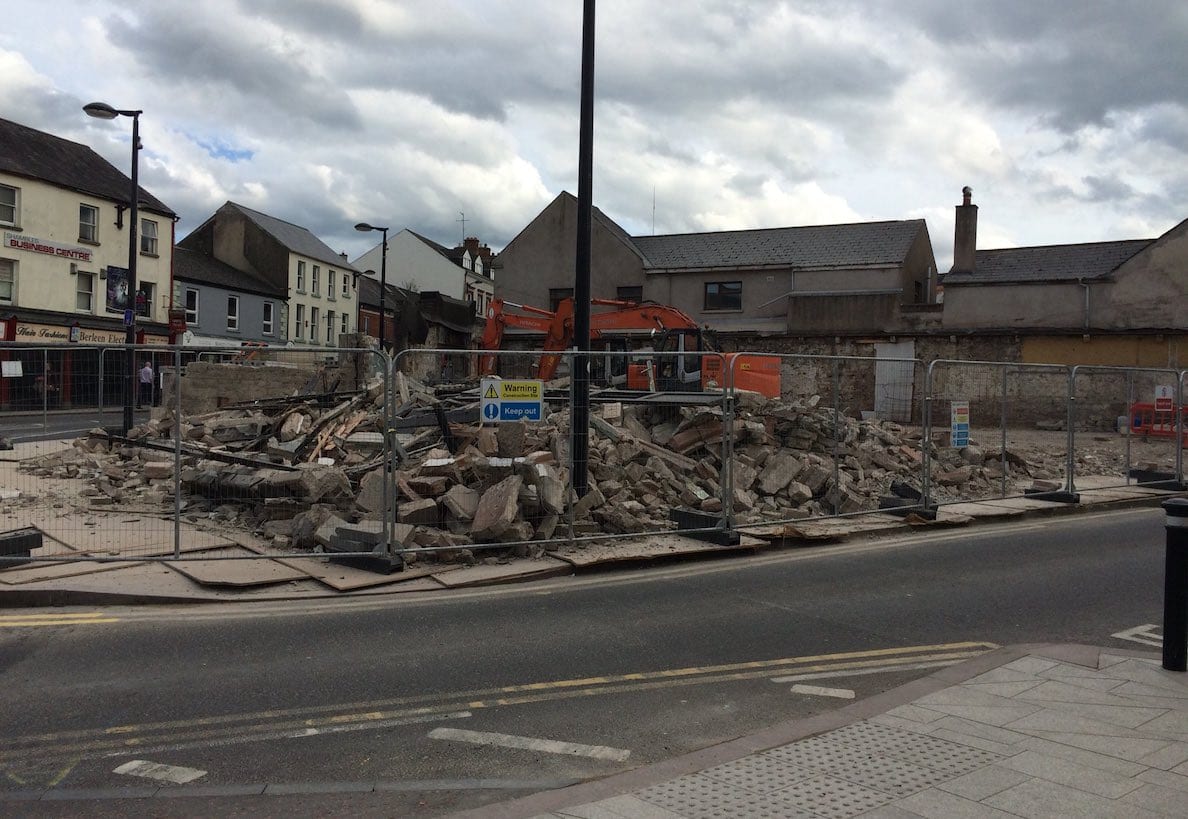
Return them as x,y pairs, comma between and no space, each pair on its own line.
292,470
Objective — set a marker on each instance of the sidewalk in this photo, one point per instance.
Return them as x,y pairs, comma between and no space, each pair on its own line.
1030,731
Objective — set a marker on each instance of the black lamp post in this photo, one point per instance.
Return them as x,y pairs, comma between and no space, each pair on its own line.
102,110
364,227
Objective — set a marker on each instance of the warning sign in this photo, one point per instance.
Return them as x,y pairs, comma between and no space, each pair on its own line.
959,424
511,400
1164,398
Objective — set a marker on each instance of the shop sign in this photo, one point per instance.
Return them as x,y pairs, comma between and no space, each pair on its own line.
51,334
34,245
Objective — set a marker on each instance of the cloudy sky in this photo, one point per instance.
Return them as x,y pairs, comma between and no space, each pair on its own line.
1069,118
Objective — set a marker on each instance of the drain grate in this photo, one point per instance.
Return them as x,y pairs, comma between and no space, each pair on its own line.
762,774
699,797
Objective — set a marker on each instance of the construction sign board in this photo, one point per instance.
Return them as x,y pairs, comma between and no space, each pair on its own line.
1164,398
508,400
959,423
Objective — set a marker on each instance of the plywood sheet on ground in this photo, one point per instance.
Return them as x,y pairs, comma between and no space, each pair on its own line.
53,571
1026,504
349,578
35,449
127,535
654,547
982,509
236,573
1122,493
513,572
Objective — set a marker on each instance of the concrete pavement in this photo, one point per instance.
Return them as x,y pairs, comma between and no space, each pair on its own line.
1030,731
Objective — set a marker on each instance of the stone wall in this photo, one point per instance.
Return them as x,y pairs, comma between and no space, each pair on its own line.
207,386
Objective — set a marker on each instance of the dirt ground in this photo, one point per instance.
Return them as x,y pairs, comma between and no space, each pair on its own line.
1097,453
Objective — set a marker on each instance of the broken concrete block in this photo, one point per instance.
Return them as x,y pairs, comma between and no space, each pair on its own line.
955,477
550,488
371,491
430,486
292,427
156,470
591,500
778,471
815,476
497,509
326,529
422,512
744,475
461,502
546,528
323,482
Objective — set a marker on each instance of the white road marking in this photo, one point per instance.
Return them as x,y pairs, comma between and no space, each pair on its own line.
155,770
856,672
548,746
817,691
1147,634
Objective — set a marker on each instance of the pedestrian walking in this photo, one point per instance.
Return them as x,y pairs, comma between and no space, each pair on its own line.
146,385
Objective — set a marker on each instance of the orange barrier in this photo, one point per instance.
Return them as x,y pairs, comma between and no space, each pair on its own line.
1146,420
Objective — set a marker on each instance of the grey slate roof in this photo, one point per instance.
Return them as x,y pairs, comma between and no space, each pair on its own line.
294,237
1050,263
35,154
193,266
811,246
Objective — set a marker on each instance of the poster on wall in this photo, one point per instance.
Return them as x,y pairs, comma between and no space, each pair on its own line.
117,289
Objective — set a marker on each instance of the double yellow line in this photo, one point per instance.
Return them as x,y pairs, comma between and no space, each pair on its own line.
79,618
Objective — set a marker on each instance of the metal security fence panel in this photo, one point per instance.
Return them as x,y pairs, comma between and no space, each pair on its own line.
267,454
829,436
1125,426
485,466
997,430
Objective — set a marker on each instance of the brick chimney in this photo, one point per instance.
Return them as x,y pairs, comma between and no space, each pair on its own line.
965,233
472,245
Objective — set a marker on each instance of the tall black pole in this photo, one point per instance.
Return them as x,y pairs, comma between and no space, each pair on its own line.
133,253
383,287
579,446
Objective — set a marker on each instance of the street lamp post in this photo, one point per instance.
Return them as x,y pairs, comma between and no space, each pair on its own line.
102,110
364,227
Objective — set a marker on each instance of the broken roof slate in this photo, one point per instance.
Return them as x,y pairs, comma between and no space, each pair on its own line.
1049,263
35,154
810,246
193,266
295,238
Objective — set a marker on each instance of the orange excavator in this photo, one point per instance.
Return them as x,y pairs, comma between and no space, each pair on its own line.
631,334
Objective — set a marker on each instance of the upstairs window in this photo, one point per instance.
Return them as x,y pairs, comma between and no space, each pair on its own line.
7,280
558,295
331,293
723,296
268,323
191,307
300,277
315,286
148,237
88,224
329,326
313,325
346,286
10,200
84,293
233,313
299,324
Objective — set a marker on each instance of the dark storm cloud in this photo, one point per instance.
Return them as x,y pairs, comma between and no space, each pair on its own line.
224,62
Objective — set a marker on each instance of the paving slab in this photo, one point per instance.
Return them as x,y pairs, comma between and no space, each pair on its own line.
348,578
53,571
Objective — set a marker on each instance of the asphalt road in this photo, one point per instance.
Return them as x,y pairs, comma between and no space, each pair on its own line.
628,668
20,427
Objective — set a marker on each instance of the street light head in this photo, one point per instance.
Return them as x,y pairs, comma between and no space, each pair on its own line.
363,226
100,110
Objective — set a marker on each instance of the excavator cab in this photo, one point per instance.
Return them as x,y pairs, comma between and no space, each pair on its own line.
669,373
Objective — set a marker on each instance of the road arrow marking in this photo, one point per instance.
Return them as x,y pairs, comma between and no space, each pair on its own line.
155,770
818,691
548,746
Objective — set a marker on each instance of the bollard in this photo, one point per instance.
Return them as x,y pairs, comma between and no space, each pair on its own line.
1175,586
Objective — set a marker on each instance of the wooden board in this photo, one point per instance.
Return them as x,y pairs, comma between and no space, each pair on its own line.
236,573
349,578
52,571
512,572
655,547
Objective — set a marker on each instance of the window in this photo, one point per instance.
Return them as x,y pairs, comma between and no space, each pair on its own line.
299,329
723,295
233,313
346,286
144,300
191,306
300,277
148,237
331,293
10,200
313,325
346,323
314,283
84,292
329,326
634,294
268,318
7,280
88,223
557,295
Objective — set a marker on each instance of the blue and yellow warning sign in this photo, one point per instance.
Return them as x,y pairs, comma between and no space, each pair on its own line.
511,400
